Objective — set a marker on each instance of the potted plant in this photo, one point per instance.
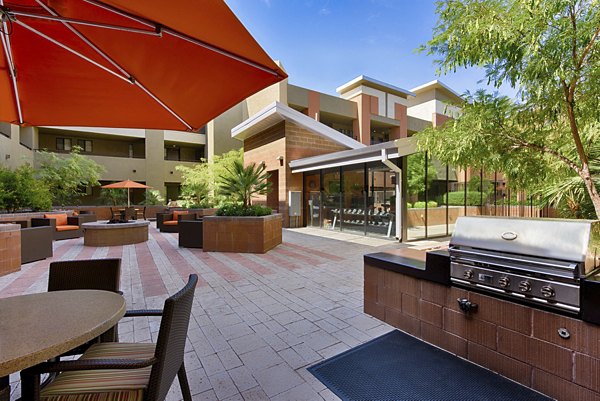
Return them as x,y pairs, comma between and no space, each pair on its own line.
240,226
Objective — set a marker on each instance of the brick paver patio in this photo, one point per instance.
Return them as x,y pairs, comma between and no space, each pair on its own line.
258,320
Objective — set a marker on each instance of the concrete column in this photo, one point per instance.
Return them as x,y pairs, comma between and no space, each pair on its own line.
314,104
400,114
364,118
155,160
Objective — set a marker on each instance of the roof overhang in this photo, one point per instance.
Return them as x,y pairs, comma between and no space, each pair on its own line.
380,152
375,84
276,112
437,84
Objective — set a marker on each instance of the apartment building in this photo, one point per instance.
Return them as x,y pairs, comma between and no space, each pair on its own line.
336,162
147,156
339,162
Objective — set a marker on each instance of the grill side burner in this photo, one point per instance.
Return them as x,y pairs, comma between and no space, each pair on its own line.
539,262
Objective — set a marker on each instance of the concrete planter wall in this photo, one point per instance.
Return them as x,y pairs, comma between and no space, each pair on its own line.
241,234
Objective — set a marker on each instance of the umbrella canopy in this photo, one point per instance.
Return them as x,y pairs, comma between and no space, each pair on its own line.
126,64
125,184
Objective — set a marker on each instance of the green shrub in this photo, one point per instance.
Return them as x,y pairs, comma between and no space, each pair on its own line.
20,190
457,198
153,197
240,210
409,205
421,204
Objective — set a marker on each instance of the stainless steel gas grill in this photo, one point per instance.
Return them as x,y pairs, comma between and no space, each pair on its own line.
540,262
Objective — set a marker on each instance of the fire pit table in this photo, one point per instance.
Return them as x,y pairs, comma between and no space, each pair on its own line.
107,234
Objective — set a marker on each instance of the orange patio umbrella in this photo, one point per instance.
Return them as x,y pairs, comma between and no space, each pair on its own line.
126,64
128,184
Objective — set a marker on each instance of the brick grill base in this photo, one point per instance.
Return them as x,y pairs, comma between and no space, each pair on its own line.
518,342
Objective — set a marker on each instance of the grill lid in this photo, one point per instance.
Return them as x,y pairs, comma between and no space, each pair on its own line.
568,240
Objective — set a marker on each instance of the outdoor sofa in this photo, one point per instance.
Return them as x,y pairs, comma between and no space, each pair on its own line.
65,227
169,222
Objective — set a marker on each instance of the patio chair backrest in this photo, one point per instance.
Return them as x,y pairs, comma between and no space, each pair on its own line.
170,345
92,274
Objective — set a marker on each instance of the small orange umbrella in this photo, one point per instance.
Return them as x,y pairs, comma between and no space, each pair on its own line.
125,184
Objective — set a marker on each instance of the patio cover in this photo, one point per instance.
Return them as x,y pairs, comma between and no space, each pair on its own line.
126,64
382,152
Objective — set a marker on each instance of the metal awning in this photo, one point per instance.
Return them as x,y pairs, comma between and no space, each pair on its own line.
380,152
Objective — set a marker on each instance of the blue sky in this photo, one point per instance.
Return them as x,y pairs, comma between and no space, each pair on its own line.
325,43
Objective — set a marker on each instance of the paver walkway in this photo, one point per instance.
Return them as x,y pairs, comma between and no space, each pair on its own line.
258,320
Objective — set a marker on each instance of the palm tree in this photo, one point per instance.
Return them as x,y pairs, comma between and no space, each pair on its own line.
242,183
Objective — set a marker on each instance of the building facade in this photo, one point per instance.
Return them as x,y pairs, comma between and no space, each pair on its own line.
344,157
147,156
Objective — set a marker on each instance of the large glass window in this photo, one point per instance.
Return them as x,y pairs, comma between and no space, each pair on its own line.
415,195
435,207
381,200
353,198
312,191
331,196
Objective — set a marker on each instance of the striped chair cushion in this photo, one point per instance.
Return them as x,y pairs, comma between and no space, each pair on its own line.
103,384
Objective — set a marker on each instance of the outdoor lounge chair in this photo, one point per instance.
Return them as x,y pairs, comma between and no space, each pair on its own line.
36,243
190,233
124,371
168,222
65,227
91,274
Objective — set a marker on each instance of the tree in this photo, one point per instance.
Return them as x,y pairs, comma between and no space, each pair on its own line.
20,190
199,184
68,176
415,174
113,196
242,183
549,51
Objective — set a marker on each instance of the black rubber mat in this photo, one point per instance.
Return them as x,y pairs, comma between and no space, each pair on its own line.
397,367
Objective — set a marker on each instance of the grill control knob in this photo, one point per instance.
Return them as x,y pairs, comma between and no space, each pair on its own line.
468,274
524,286
548,291
504,281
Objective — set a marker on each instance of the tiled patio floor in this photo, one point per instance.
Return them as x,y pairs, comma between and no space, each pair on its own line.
258,321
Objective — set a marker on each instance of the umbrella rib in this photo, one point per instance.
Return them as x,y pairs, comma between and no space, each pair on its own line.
67,48
83,22
130,78
13,72
197,42
86,41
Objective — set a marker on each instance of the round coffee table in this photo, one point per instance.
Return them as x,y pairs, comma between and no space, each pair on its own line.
104,234
38,327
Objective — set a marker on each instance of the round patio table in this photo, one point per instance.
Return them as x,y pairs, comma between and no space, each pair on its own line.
38,327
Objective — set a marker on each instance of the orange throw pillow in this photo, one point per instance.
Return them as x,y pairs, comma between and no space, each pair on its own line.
61,219
177,213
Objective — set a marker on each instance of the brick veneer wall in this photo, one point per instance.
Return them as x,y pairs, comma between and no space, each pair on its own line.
518,342
292,142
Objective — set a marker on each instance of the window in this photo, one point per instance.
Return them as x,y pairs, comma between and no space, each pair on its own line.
85,145
63,144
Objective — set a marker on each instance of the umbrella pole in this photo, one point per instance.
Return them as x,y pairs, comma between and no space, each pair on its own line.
128,203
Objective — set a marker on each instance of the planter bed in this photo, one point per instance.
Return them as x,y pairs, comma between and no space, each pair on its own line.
243,234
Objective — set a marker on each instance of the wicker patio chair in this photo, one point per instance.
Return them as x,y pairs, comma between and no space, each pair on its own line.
92,274
123,371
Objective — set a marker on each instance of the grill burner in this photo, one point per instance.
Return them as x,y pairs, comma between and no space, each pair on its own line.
540,262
